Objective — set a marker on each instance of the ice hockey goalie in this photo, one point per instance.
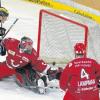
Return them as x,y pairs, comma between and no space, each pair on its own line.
31,72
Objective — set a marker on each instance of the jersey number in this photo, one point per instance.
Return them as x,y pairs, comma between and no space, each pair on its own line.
84,74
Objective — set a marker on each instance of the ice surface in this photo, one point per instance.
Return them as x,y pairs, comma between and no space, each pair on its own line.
9,90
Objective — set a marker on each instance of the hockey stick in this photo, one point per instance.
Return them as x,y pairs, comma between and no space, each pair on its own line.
10,28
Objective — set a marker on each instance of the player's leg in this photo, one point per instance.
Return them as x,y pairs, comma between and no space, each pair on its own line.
22,77
42,84
5,71
29,78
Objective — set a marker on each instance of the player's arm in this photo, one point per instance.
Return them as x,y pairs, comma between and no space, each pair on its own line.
65,78
40,66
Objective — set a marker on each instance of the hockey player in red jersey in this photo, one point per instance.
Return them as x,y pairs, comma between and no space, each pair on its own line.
22,60
79,78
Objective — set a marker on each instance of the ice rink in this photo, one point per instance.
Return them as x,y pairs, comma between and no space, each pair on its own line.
27,25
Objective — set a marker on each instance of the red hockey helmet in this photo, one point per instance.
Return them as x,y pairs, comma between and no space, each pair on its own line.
79,48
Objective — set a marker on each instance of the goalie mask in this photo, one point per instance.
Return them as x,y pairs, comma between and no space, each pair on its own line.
79,49
26,44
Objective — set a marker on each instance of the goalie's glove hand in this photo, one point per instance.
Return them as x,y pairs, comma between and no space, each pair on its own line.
2,50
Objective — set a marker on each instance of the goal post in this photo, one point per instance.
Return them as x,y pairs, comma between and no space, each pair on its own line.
57,36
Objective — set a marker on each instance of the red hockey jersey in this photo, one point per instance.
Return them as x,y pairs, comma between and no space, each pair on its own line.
79,77
16,58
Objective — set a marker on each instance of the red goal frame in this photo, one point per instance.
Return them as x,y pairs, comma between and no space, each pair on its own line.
63,18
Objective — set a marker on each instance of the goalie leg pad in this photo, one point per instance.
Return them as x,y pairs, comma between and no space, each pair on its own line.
42,84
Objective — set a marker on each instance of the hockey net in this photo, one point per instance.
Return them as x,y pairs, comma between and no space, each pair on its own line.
57,36
93,44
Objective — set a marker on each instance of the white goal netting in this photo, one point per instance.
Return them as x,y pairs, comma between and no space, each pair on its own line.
57,37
